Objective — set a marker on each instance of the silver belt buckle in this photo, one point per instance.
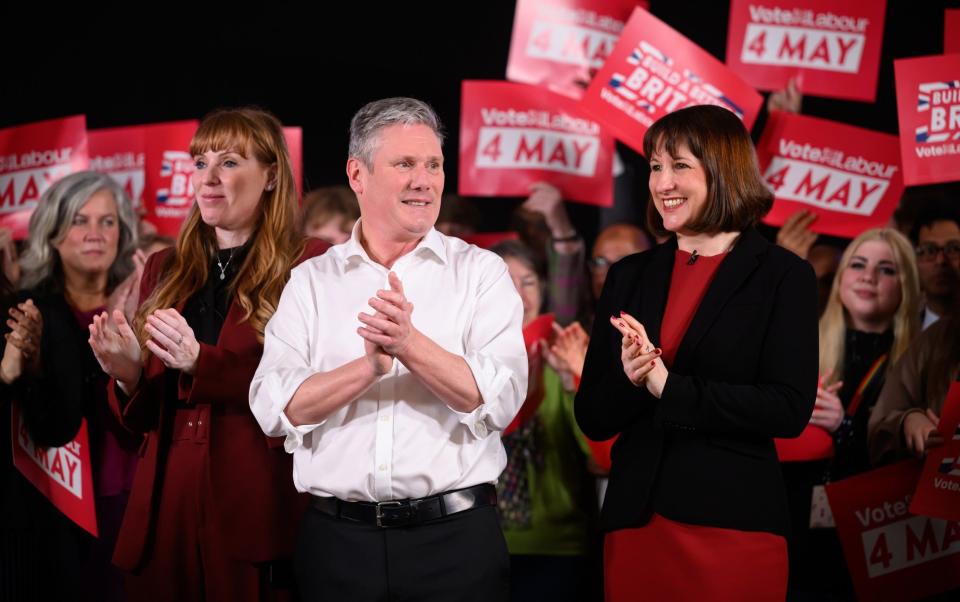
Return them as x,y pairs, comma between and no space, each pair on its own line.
380,506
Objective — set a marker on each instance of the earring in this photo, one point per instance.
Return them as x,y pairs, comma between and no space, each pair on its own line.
270,187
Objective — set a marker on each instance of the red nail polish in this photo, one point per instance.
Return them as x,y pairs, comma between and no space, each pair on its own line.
621,312
653,363
658,351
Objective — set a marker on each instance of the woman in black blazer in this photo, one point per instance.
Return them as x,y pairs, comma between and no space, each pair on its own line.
710,353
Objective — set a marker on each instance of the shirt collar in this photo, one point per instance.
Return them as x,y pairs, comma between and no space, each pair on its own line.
433,242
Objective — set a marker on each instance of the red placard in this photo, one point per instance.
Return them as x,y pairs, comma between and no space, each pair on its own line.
62,474
938,491
951,31
834,47
32,157
892,554
560,44
168,190
512,135
540,328
814,443
928,103
654,71
294,138
485,240
849,176
119,153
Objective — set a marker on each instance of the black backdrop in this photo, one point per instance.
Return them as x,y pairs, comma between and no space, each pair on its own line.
314,67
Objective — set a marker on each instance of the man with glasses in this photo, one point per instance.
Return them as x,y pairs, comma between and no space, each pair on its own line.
936,236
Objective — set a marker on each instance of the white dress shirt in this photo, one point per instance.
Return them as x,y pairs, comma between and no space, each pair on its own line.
397,440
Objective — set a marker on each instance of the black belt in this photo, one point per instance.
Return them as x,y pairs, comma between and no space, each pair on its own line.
401,513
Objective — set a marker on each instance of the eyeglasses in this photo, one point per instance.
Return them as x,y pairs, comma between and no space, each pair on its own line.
599,263
928,251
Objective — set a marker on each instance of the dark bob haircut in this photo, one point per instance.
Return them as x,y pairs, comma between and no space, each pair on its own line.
737,196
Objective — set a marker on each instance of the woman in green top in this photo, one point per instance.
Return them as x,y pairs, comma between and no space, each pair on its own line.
546,494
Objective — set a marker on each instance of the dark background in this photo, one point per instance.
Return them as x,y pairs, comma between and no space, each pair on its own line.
315,67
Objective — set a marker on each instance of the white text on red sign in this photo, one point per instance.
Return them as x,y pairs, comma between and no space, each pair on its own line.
805,17
654,84
527,148
175,199
21,190
909,542
62,464
35,159
802,47
824,187
941,102
569,44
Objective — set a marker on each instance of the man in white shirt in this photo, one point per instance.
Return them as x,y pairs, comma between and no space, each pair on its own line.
391,366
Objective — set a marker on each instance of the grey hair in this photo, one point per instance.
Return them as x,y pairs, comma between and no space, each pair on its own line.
52,219
374,116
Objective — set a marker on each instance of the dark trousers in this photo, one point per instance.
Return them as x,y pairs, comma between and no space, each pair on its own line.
461,557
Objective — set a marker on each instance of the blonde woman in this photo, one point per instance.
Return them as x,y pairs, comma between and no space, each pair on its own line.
212,507
872,314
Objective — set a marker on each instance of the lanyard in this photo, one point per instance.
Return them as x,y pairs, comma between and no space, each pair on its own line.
867,379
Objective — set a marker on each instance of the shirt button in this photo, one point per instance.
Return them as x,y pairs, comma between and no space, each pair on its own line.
189,423
481,429
382,467
385,418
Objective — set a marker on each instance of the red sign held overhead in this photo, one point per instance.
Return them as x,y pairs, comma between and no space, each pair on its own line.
951,31
560,44
928,103
891,553
654,71
833,47
168,192
63,475
119,153
32,158
848,176
513,135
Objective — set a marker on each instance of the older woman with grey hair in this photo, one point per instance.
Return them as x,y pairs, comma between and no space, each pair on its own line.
81,258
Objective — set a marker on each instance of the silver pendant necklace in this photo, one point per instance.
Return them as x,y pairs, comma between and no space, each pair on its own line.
223,267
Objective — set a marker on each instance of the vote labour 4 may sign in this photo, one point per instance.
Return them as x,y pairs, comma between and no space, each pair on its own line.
891,553
928,102
62,474
833,46
512,135
938,491
118,152
560,44
32,157
848,176
654,71
168,191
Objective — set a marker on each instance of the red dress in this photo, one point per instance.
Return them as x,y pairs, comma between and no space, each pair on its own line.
667,560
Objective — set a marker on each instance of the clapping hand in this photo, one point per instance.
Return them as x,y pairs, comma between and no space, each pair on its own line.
638,356
22,351
828,410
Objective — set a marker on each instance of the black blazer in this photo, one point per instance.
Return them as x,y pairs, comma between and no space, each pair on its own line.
745,372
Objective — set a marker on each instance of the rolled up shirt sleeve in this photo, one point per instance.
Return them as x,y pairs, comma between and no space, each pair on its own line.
285,364
495,353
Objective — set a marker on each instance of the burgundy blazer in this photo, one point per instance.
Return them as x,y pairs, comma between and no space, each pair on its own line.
257,508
